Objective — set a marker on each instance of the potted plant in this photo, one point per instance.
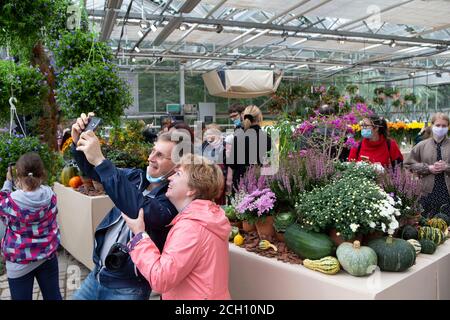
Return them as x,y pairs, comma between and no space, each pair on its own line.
352,89
281,222
257,207
396,103
95,87
343,206
410,98
379,92
26,84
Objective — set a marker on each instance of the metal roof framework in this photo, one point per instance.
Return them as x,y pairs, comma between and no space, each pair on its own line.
310,39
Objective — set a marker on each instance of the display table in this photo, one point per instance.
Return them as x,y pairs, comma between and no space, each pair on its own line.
256,277
78,217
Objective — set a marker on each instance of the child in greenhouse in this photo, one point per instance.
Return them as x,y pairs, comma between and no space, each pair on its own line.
32,234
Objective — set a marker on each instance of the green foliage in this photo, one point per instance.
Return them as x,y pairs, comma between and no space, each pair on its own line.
24,22
283,220
127,147
27,84
11,148
349,205
352,88
410,97
74,48
94,87
356,170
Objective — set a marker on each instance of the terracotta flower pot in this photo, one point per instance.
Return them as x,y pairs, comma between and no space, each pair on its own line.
279,236
265,228
247,227
236,224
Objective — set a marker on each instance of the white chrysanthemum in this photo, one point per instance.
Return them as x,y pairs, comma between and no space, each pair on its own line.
383,227
372,224
354,227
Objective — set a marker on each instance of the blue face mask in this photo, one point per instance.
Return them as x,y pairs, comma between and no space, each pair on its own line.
237,122
366,133
154,180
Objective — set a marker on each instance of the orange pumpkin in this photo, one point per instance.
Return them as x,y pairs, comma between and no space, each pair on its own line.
75,182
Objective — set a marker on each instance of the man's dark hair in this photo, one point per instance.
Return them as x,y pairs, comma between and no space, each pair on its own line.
236,107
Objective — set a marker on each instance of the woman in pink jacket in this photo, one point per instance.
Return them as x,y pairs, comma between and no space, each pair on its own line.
194,263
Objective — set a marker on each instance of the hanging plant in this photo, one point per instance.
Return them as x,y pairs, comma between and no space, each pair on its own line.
28,85
397,103
379,101
24,22
74,48
352,89
379,91
94,87
411,97
391,92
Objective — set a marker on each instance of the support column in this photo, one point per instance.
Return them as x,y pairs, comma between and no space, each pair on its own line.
182,95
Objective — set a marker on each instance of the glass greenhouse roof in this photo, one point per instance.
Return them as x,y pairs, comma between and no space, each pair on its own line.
311,39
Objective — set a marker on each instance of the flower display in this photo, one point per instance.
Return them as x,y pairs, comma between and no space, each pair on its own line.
259,201
352,204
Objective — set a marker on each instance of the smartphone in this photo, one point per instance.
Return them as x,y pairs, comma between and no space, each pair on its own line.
93,124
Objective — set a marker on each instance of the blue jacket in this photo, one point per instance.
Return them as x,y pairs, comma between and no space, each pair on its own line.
125,187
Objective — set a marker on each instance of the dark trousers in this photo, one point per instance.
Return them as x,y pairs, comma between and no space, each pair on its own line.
47,275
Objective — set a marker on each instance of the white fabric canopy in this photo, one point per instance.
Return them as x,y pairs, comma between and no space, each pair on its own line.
242,83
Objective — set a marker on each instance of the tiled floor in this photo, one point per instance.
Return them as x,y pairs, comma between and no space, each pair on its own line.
71,275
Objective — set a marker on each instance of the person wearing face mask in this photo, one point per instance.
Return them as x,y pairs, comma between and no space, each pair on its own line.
235,112
130,190
430,160
375,146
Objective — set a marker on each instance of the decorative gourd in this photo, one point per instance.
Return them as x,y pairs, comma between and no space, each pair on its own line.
428,246
423,221
283,220
430,233
233,233
444,217
416,245
265,244
308,244
438,223
409,232
238,240
327,265
356,259
67,173
75,182
393,254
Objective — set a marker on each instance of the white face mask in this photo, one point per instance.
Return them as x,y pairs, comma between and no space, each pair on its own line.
440,132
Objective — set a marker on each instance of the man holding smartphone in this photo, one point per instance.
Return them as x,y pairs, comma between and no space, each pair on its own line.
115,277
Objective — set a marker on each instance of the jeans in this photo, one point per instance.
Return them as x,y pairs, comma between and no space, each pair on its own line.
91,289
47,276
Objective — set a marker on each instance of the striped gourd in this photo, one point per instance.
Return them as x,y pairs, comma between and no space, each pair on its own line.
416,245
433,234
327,265
438,223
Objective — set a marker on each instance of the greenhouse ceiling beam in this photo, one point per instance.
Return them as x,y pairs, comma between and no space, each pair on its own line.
375,14
194,26
276,60
255,25
269,21
109,20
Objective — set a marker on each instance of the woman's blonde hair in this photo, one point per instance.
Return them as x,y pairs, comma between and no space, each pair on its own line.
204,177
440,115
252,115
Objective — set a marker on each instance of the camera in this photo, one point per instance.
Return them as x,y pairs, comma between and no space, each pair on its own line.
117,257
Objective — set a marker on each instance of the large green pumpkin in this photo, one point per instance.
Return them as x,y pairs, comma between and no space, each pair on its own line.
308,244
393,254
356,259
